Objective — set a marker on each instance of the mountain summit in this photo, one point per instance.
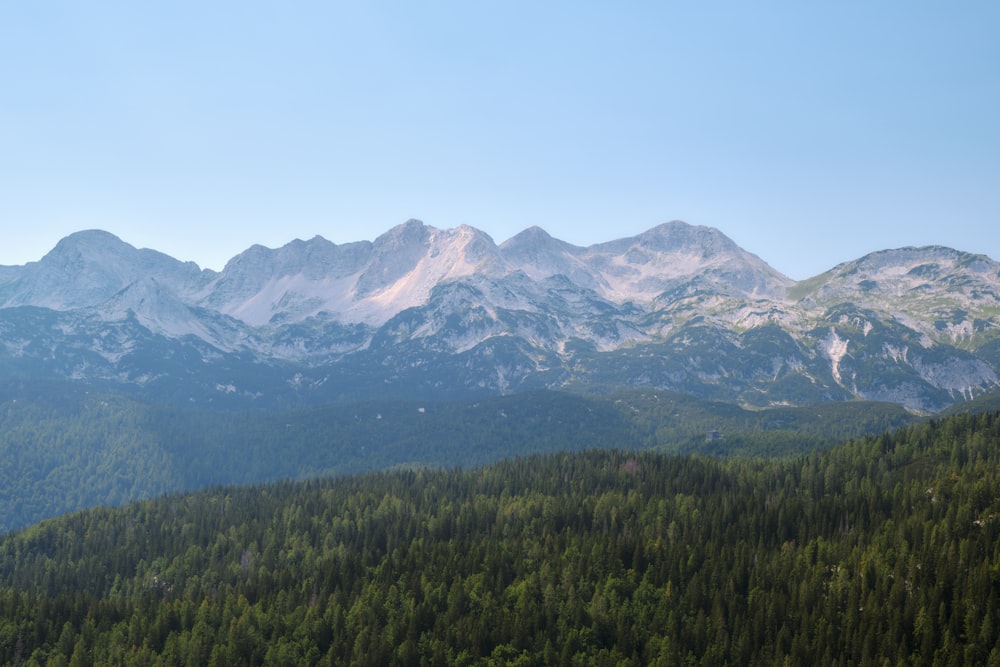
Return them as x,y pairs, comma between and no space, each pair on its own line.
425,311
86,269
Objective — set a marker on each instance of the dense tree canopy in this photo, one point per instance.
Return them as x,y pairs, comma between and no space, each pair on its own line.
63,449
881,551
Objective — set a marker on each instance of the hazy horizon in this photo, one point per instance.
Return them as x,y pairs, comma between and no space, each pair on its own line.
808,135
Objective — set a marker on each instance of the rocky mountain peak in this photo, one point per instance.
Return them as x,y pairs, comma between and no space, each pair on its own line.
677,236
533,234
534,240
88,242
681,306
907,272
674,256
541,256
87,268
411,233
475,246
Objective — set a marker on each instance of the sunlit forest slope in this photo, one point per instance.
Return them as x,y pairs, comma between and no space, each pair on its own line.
884,550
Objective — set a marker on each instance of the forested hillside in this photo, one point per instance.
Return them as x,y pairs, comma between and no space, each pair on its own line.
63,449
885,550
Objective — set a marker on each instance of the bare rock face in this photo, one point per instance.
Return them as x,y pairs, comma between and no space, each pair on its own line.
421,310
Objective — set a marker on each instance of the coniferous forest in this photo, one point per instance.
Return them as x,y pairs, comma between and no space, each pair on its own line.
63,450
883,550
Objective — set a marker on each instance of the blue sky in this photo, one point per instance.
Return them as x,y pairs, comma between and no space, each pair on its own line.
810,133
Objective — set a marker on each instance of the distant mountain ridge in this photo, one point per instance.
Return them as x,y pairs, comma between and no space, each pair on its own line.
431,312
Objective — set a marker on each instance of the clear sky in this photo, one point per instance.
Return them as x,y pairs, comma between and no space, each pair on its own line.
810,133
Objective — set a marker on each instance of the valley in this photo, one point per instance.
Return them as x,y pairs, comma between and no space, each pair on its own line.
64,451
433,449
884,548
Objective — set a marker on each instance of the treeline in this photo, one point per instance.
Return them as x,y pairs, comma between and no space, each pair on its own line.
63,449
881,551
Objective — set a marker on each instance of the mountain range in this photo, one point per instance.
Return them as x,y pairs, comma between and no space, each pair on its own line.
425,312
